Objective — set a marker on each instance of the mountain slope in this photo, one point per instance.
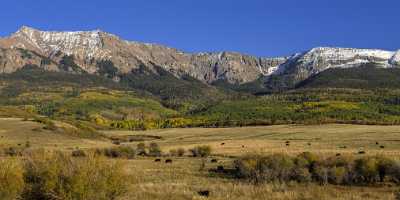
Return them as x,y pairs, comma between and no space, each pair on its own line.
302,66
92,46
97,80
107,55
367,76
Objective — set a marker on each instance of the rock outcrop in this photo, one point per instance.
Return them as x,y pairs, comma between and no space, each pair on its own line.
48,48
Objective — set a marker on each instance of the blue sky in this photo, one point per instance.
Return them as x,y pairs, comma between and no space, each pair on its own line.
257,27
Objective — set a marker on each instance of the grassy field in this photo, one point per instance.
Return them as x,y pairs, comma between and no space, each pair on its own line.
183,178
322,139
17,132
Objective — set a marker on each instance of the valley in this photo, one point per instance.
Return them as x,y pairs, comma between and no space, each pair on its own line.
152,122
327,139
186,175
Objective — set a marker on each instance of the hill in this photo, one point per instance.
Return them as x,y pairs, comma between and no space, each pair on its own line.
367,76
96,80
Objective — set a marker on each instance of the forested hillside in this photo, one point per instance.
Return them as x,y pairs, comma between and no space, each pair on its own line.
157,99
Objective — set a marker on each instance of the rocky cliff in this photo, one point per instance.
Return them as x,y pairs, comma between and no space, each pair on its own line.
82,51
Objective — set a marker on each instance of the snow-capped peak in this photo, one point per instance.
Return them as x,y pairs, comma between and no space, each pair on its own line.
26,29
85,43
348,53
322,58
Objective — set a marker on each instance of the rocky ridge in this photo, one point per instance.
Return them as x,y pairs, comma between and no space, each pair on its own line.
48,48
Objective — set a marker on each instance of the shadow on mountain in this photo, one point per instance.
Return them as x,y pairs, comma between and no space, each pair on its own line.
367,76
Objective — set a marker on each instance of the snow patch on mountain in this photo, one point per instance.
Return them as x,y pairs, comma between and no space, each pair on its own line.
84,43
395,60
322,58
91,46
342,56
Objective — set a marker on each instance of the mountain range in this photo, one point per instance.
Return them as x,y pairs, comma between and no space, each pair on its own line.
96,80
107,55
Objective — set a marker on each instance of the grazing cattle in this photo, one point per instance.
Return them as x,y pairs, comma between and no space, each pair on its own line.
168,161
382,147
222,144
243,146
157,160
204,193
220,168
214,160
309,144
287,144
376,143
338,154
361,152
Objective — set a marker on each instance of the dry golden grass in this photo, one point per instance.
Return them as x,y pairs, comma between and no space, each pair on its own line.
183,178
15,131
324,139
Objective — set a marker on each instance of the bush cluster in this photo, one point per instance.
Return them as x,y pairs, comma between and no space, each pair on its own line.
78,153
51,176
154,149
308,167
201,151
177,152
118,152
129,152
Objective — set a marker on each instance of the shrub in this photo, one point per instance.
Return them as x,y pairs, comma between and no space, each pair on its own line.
173,152
247,167
302,175
337,175
11,179
120,152
307,161
309,158
258,168
177,152
366,170
321,174
307,167
278,167
78,153
388,168
154,149
181,152
201,151
27,144
57,176
141,149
